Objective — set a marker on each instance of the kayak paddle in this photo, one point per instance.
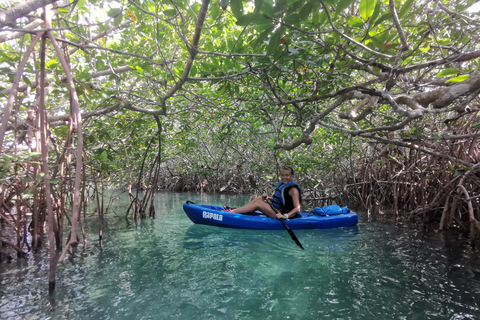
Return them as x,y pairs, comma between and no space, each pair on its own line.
294,237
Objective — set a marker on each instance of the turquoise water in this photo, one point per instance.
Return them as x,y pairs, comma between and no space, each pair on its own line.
168,268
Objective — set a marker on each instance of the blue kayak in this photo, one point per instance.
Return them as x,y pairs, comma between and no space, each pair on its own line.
215,216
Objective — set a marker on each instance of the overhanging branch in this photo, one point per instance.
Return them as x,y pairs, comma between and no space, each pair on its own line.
193,52
9,16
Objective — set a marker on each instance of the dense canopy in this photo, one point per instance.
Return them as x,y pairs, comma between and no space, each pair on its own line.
281,68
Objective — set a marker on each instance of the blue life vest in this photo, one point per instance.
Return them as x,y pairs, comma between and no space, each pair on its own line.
279,195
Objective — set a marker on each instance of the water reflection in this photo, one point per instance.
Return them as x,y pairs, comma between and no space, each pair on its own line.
170,268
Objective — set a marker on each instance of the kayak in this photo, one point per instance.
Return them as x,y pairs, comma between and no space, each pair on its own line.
215,216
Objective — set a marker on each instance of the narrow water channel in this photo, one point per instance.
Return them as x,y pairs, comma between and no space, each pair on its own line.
169,268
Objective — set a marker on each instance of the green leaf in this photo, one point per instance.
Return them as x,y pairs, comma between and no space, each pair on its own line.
103,156
27,81
280,8
378,42
274,43
320,17
237,8
452,167
366,8
294,5
278,53
458,79
355,22
293,19
171,13
342,5
117,20
5,58
84,74
113,12
29,192
8,157
476,125
274,72
193,71
261,37
405,8
245,20
293,50
448,72
26,179
458,172
195,7
81,5
215,12
63,10
305,11
40,177
384,17
375,14
258,5
32,155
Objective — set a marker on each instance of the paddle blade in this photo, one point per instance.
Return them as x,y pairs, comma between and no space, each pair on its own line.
294,237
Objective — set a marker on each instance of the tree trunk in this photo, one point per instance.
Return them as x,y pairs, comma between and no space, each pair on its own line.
46,179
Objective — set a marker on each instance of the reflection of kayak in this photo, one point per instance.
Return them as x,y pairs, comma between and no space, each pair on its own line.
214,216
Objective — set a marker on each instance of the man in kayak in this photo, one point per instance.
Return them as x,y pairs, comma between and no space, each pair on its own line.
286,199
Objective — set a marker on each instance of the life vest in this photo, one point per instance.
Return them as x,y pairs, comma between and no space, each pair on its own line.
279,195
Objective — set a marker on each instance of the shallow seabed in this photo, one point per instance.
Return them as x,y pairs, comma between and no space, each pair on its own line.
169,268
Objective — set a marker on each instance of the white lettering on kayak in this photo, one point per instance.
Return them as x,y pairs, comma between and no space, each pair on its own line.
212,216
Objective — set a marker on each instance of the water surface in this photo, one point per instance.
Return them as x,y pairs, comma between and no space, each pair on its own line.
169,268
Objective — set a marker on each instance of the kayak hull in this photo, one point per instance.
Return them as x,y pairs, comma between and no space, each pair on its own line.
214,216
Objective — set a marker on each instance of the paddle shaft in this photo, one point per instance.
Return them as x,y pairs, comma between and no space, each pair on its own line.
290,232
294,237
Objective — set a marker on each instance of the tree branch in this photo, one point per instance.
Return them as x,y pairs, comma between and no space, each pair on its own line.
396,22
9,16
13,92
15,35
193,52
457,58
350,39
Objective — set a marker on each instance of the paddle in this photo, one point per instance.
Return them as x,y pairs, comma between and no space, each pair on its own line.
294,237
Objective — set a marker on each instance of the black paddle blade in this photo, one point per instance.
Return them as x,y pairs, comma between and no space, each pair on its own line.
294,237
